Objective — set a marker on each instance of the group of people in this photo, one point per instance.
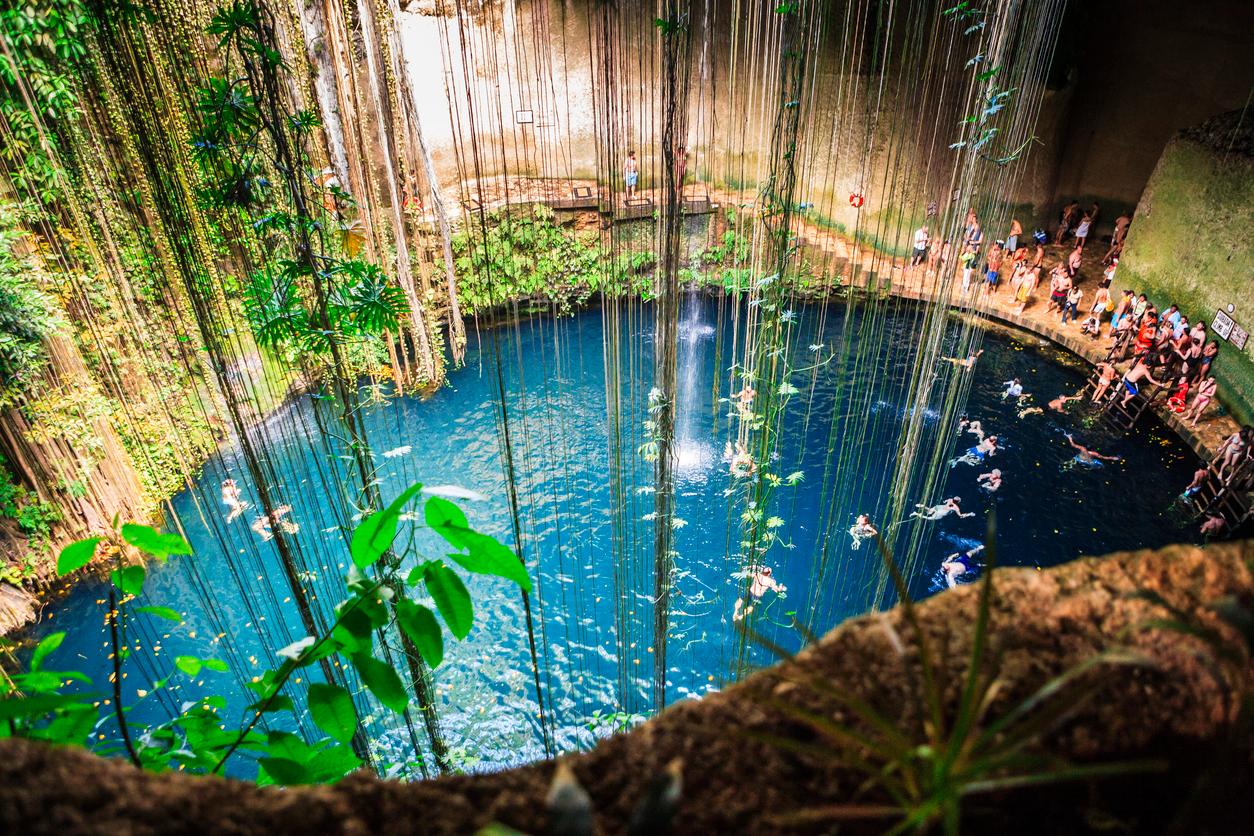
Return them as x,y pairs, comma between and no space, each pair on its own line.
264,524
1230,473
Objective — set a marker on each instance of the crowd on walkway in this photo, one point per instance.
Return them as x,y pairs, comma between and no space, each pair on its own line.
1152,352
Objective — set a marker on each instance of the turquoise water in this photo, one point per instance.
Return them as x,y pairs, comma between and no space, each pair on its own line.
593,607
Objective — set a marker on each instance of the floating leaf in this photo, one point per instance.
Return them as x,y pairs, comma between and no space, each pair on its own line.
189,665
77,555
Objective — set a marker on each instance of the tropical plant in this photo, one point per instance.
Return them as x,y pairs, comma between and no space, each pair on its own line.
920,774
200,738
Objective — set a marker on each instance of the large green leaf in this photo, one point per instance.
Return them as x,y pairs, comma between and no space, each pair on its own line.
451,597
153,542
332,710
283,771
48,644
77,555
420,625
489,556
129,579
374,536
382,681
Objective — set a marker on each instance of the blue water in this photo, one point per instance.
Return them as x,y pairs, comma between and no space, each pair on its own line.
593,607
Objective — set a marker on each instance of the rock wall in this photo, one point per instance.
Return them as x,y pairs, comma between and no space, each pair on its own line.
1190,240
1180,707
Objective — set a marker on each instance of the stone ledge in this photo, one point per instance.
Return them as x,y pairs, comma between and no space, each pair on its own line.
1044,622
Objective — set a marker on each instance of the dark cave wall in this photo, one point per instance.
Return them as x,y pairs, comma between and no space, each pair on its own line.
1141,71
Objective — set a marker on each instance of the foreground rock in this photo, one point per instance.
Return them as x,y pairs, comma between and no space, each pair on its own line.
1044,622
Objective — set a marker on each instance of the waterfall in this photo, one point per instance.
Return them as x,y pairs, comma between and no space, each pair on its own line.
693,453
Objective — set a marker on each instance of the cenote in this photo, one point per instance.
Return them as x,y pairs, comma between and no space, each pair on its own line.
590,555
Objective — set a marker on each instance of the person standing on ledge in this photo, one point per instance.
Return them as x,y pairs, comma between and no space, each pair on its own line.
631,174
1012,239
920,246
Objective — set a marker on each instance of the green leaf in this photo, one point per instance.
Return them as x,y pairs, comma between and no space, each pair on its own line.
283,771
451,597
153,542
332,710
490,557
280,702
420,625
330,765
129,579
189,665
447,520
15,707
46,646
77,555
374,536
162,612
382,681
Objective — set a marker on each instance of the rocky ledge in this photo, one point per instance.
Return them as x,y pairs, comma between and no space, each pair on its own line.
1183,709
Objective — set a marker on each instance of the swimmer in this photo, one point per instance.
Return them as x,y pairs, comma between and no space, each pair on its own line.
744,401
959,564
1059,403
936,512
742,464
990,481
1087,457
967,363
861,530
1014,389
1031,410
761,583
231,499
264,525
973,427
974,455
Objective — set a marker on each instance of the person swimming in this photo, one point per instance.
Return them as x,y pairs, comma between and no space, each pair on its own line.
975,455
861,530
959,564
740,462
1014,389
1086,457
264,524
968,363
944,509
990,481
231,499
1059,404
973,427
760,582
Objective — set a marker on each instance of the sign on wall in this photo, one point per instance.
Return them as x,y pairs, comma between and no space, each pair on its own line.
1227,328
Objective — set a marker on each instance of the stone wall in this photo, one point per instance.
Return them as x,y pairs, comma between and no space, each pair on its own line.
1190,243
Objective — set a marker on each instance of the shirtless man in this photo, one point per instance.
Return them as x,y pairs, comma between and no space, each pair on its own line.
990,481
1059,404
631,174
973,427
975,455
944,509
1087,457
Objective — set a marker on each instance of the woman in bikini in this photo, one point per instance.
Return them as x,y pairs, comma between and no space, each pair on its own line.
1205,394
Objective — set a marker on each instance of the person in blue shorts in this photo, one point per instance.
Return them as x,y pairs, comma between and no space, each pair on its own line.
959,564
631,173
